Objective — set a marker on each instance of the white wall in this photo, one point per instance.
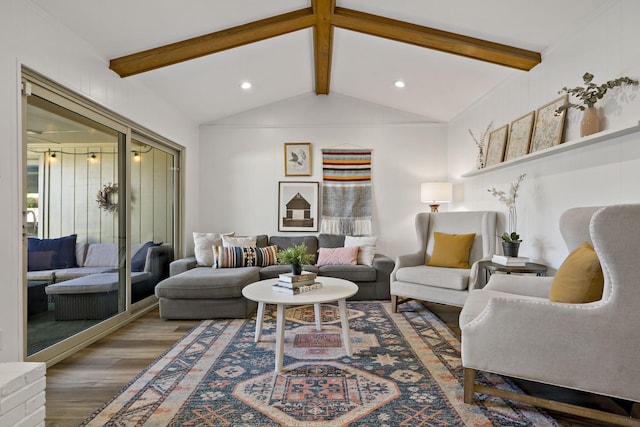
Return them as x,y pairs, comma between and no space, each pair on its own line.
31,38
242,162
605,173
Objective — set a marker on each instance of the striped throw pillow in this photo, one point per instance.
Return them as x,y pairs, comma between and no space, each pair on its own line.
237,256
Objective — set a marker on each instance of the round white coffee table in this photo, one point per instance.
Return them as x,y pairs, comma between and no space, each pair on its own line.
332,290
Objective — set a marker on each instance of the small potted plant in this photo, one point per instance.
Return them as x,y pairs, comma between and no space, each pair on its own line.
589,94
510,244
296,256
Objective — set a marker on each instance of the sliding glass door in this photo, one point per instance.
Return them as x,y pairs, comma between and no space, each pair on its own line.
100,219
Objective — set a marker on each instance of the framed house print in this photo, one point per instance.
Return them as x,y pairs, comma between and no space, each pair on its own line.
549,125
297,159
298,208
496,146
519,136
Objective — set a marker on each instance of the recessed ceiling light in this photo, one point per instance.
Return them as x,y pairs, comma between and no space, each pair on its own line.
245,85
398,83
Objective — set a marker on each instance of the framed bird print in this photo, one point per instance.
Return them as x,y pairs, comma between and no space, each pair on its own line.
297,159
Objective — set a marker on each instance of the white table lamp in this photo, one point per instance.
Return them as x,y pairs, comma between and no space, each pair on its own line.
435,193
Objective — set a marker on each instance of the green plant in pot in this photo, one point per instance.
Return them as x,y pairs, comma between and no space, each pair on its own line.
510,243
296,256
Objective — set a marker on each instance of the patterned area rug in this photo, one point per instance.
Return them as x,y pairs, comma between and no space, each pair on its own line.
405,371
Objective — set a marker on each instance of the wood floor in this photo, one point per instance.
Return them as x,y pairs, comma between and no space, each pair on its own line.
79,385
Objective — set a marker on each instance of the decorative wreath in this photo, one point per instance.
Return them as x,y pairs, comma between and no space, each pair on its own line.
105,197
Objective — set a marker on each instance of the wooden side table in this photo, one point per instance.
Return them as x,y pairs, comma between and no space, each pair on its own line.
530,268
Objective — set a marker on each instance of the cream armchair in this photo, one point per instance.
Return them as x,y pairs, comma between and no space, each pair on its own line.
511,328
413,279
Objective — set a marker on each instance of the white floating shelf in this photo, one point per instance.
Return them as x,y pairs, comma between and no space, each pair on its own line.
604,135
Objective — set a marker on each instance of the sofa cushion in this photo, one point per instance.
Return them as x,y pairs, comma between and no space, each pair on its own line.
39,260
331,240
81,252
93,283
207,283
450,278
284,242
366,248
106,254
234,257
451,250
579,279
241,241
204,243
352,272
72,273
46,254
337,256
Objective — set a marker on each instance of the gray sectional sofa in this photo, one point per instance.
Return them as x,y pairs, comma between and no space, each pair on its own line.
193,292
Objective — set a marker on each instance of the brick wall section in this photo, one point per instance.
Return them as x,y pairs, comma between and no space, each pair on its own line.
22,394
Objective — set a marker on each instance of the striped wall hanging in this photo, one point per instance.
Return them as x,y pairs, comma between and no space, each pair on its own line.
346,192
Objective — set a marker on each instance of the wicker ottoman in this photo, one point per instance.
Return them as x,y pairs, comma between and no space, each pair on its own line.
92,297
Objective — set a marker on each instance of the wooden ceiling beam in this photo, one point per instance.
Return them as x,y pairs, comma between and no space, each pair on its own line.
323,44
214,42
431,38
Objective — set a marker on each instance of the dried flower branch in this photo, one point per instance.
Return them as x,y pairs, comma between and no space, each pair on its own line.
591,92
480,141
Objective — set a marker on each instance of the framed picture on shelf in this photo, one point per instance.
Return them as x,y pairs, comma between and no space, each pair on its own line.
496,146
298,208
549,125
297,159
520,136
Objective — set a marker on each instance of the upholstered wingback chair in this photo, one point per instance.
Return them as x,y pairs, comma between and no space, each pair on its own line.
512,328
413,279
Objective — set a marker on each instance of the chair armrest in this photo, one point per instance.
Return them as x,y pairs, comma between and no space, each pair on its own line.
532,286
181,265
542,341
408,260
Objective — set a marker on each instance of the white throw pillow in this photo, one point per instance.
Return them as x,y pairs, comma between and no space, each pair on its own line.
204,242
367,247
245,241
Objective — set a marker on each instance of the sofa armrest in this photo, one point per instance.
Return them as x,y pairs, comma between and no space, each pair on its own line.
181,265
409,260
383,265
157,263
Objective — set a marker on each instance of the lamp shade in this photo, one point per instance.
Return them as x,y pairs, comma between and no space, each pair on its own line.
436,192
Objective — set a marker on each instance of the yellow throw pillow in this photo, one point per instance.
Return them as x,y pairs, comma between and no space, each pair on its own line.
579,279
451,250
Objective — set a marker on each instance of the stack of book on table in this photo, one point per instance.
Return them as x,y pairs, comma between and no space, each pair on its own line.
297,284
510,261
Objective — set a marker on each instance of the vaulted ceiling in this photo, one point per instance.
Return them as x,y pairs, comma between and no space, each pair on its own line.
196,54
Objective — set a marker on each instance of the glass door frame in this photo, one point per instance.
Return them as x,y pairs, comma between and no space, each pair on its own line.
36,84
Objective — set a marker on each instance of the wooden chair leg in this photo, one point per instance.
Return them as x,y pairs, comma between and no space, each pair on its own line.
394,303
595,414
469,379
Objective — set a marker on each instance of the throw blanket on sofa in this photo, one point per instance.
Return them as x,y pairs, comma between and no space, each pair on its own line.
346,192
